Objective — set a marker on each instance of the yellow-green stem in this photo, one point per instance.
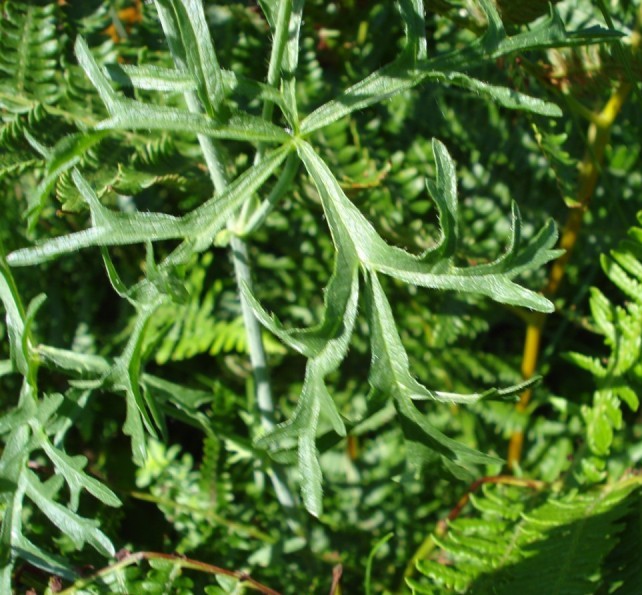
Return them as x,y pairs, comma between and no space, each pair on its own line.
590,167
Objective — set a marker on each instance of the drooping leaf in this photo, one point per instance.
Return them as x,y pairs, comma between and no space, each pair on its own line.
80,530
326,345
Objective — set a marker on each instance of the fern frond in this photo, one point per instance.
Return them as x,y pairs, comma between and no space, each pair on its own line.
622,574
16,153
186,330
521,542
29,48
36,425
618,377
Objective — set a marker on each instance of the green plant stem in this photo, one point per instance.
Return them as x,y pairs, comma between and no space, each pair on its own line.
368,582
240,258
265,404
178,561
249,218
258,358
276,58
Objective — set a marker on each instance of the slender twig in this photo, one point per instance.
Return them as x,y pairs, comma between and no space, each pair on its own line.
258,357
240,259
337,572
176,559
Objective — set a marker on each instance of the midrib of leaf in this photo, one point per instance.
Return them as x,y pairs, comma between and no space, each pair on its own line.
393,363
23,51
513,545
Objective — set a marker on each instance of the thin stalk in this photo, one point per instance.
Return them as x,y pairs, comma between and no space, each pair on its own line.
179,561
258,357
240,260
279,43
262,385
598,135
273,79
276,58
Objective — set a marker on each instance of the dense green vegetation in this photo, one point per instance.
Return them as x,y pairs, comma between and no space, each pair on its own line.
310,297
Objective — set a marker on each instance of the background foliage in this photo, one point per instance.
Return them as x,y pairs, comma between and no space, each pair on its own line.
129,417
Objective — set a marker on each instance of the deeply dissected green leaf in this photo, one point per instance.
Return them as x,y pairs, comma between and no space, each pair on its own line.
560,540
157,78
349,227
390,366
200,55
357,241
503,96
134,115
389,374
402,75
113,228
14,317
108,228
79,529
379,86
66,154
12,464
71,468
326,345
29,48
619,376
87,342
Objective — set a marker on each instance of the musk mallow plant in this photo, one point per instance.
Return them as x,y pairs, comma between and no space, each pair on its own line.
197,97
